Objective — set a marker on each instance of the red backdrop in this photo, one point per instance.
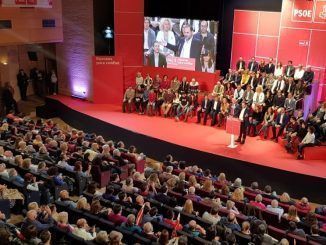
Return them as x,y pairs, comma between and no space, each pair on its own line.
108,79
298,33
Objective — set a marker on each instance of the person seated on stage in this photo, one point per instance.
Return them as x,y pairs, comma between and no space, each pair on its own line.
167,102
193,104
184,86
175,84
270,67
278,70
244,123
128,99
205,107
262,66
175,103
290,104
237,78
215,109
238,94
255,119
262,81
228,91
281,121
156,83
253,81
289,70
218,89
148,81
307,79
139,92
244,79
259,97
224,111
165,84
229,77
299,72
182,107
144,101
139,79
278,85
278,100
289,86
291,128
151,103
159,100
248,95
193,87
241,64
308,141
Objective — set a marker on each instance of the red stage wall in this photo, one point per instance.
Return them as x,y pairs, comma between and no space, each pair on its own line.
128,25
108,80
298,33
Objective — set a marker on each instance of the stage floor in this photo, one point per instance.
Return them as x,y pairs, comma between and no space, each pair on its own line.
199,137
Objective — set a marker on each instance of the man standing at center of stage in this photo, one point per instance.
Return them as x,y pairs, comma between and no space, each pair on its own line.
188,46
244,119
22,82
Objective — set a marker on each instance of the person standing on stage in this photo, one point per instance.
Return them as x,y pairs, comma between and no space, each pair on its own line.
22,82
244,119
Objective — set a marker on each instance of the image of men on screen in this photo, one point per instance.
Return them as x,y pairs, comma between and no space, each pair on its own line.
156,58
186,44
149,37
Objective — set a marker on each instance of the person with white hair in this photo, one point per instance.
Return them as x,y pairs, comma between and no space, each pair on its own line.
166,35
192,195
274,208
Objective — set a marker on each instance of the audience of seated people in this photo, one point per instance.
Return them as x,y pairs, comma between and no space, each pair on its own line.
273,96
171,202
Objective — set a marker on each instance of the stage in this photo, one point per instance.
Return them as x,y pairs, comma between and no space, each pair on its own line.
257,160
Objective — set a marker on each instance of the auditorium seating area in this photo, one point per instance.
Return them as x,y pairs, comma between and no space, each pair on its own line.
158,195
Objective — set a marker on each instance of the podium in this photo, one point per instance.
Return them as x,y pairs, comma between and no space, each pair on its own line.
233,128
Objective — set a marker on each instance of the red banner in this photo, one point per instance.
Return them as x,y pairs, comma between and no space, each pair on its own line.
26,3
108,80
181,63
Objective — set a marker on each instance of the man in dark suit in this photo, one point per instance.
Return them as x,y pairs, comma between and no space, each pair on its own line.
157,59
206,38
244,119
237,78
188,46
205,108
289,69
184,85
253,65
281,121
262,81
229,77
215,109
308,77
22,82
241,64
253,82
270,67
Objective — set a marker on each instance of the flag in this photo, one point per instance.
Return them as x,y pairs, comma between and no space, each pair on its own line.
176,227
140,215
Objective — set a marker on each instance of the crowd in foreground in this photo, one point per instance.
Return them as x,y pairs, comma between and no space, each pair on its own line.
170,203
262,96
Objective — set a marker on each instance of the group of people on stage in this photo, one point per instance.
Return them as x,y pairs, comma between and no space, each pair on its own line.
178,38
260,95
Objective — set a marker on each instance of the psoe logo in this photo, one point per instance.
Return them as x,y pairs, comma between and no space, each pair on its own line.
303,43
302,13
322,14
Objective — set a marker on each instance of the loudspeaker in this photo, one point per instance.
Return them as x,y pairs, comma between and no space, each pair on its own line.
32,55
